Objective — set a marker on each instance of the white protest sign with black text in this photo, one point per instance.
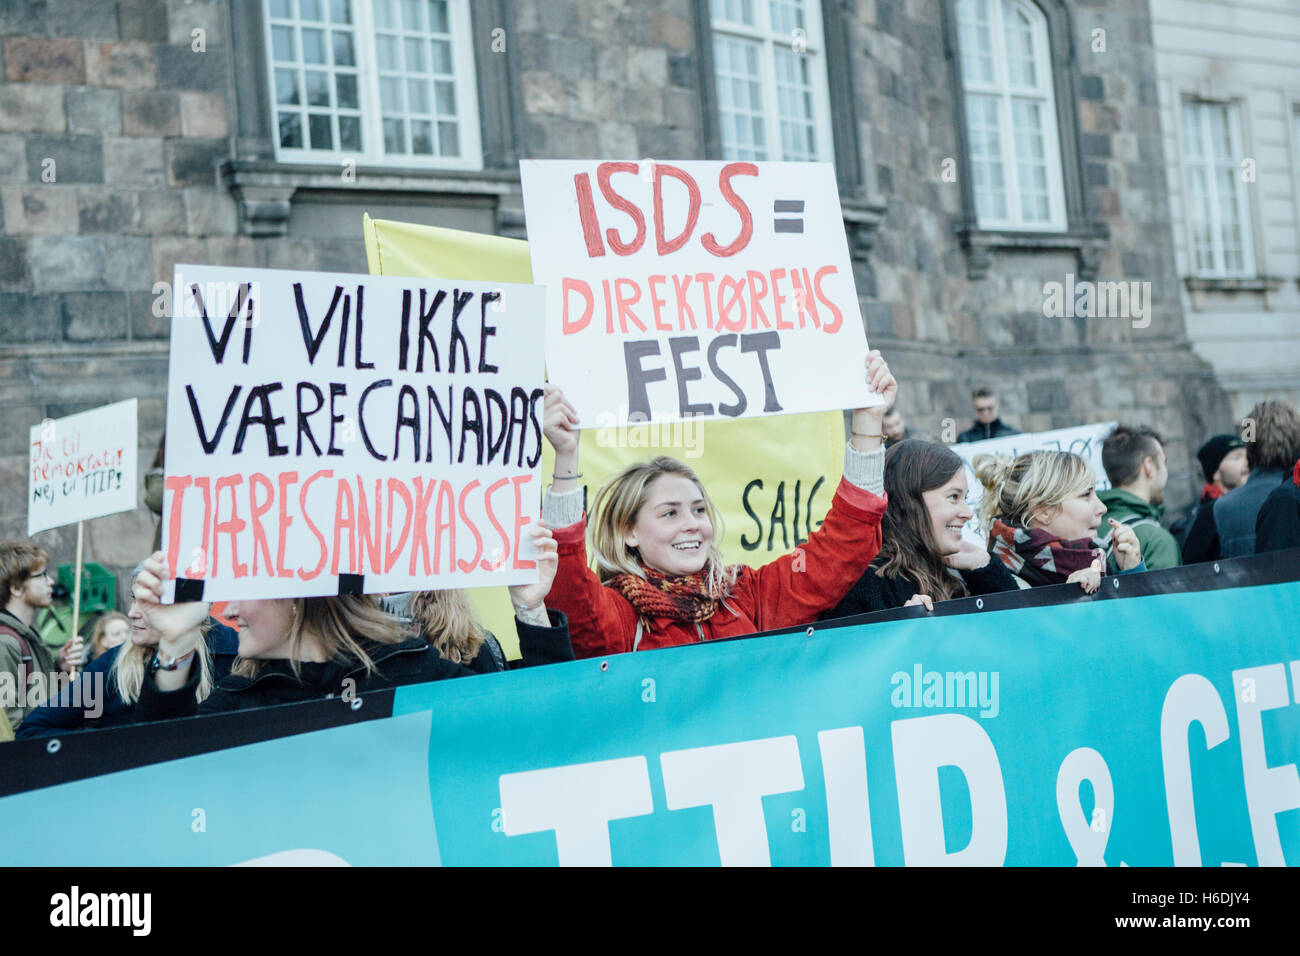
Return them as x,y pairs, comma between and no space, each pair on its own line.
1084,440
331,433
82,466
695,289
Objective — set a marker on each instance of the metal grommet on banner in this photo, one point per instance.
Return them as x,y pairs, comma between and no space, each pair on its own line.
53,746
356,703
1115,582
1216,567
979,604
809,632
604,665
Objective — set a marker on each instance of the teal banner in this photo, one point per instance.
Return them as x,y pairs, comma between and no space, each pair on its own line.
1145,731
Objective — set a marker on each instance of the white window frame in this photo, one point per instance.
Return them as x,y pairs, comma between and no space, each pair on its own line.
814,47
1001,88
1236,133
372,138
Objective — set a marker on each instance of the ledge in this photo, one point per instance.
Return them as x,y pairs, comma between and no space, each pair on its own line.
862,217
1199,288
264,190
1087,242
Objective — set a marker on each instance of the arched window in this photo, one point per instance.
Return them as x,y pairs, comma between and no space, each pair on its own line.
1011,124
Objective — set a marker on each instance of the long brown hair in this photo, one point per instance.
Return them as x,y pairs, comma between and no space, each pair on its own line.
908,547
447,621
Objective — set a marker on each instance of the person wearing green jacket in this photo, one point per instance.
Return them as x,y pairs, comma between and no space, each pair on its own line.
1134,459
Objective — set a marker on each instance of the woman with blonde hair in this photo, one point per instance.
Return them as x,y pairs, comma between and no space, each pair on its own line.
448,622
298,649
105,693
660,577
111,630
1042,513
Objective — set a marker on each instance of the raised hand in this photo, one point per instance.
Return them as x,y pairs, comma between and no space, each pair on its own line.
868,423
177,624
1124,541
559,422
533,596
1087,578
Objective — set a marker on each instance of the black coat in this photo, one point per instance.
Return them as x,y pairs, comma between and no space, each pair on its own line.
1202,540
58,717
412,661
1278,525
874,593
978,431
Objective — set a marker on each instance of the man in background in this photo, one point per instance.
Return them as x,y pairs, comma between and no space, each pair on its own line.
984,402
1271,455
1223,463
1134,459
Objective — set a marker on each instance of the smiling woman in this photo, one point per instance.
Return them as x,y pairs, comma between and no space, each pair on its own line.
924,558
660,577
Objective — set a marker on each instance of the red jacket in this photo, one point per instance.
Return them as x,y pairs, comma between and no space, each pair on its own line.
779,594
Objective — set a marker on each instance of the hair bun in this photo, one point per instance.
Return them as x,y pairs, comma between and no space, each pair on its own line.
992,471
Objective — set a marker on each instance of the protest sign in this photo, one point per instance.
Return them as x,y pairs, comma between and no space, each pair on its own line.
695,289
1083,440
82,466
1027,728
332,433
769,502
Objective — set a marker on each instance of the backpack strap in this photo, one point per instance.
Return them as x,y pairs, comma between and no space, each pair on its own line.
26,650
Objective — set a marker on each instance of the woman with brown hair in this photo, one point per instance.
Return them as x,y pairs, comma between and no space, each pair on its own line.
924,557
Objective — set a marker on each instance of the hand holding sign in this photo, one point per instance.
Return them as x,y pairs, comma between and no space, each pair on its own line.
1087,578
868,422
533,596
177,624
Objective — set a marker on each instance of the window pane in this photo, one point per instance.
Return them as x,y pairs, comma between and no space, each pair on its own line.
341,11
422,137
448,139
740,97
445,98
313,46
344,54
290,131
416,62
441,57
412,15
417,98
318,88
282,9
1019,38
282,44
786,16
311,10
386,14
389,53
976,41
286,86
390,95
438,17
345,89
394,136
350,133
321,137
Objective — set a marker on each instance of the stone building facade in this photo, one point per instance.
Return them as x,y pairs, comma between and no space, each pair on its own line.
160,119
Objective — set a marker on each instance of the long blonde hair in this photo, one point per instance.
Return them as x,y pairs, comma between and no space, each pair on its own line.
133,660
101,631
1014,490
336,622
614,512
447,622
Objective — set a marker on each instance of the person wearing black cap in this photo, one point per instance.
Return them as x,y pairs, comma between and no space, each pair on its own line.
1223,462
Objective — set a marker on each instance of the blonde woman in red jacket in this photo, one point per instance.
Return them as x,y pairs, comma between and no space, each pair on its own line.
660,578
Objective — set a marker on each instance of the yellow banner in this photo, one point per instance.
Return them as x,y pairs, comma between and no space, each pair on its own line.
772,478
